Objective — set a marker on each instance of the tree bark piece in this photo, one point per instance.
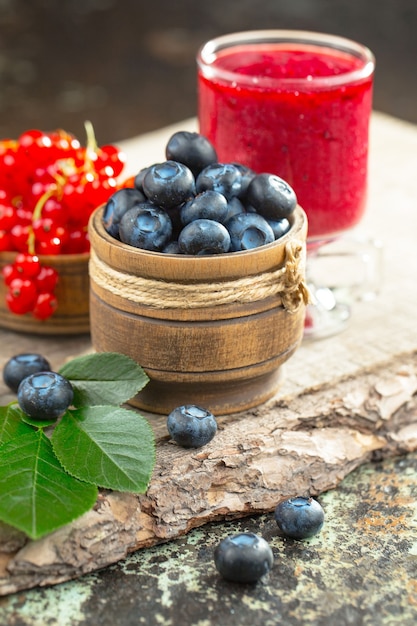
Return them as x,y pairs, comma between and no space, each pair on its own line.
301,444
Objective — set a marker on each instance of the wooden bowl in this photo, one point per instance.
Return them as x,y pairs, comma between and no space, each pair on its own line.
205,328
72,292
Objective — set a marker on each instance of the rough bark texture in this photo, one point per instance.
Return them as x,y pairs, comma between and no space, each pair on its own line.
302,444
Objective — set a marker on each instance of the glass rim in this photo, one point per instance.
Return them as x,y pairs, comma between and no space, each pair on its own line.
207,54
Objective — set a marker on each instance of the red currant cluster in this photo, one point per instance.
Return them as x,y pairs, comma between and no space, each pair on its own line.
49,186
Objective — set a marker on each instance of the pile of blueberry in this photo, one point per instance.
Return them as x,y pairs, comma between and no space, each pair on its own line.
192,204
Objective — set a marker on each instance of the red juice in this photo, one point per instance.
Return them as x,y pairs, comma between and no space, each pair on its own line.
297,110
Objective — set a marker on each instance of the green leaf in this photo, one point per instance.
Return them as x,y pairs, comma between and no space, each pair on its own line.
104,378
11,424
36,495
108,446
37,423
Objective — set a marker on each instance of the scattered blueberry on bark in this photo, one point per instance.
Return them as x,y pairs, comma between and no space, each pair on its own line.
20,366
248,231
192,149
243,558
191,426
299,517
45,395
117,205
203,237
169,184
271,196
146,226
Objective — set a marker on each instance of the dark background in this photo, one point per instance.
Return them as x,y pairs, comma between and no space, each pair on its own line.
129,65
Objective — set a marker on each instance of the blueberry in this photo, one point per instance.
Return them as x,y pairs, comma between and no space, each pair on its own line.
203,237
279,227
169,184
193,150
22,365
117,205
171,248
44,395
271,196
243,558
248,231
234,207
247,175
222,177
210,205
146,226
299,518
140,176
191,426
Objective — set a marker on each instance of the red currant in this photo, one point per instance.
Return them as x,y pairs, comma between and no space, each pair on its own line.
9,273
45,305
47,279
28,265
22,295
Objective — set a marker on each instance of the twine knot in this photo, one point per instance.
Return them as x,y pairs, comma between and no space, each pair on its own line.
286,282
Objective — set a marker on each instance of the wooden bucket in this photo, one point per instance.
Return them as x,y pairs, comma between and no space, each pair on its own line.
208,330
72,292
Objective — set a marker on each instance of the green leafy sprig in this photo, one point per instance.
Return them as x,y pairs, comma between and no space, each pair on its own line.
49,479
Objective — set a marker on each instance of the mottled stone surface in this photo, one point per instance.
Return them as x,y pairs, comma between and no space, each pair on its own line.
360,570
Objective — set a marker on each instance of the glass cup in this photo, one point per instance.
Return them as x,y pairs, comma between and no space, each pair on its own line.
296,104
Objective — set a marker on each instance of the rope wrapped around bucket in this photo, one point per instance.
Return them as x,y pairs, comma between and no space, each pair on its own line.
286,282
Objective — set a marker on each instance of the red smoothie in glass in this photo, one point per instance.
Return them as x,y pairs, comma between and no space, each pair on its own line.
281,115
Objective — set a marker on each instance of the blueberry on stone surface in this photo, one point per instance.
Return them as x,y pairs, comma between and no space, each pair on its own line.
243,558
22,365
248,231
45,395
299,517
192,149
271,196
117,205
191,426
210,205
222,177
169,184
146,226
203,237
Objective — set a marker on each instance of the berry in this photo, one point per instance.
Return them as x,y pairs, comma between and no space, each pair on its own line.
21,296
117,205
20,366
191,149
49,186
45,305
243,558
299,518
145,226
271,196
169,184
191,426
45,395
249,230
210,205
203,237
279,227
225,178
